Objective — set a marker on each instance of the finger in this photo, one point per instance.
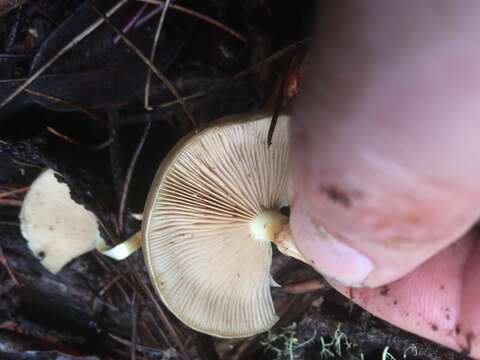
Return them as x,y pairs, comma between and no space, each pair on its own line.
437,301
384,160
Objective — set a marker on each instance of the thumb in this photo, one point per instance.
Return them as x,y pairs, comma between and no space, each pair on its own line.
367,223
384,166
372,200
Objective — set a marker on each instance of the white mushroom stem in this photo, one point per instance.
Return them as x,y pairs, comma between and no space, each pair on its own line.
273,226
122,250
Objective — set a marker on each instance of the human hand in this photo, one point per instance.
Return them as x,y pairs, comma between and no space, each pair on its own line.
385,164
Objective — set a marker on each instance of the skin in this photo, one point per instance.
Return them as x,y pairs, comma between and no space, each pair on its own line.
385,162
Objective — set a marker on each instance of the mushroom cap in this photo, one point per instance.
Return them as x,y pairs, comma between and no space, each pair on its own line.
205,263
56,227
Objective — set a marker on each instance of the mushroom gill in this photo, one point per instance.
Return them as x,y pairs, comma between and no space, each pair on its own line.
207,251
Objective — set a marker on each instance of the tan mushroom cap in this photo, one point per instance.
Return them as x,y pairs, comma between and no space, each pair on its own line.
208,262
56,227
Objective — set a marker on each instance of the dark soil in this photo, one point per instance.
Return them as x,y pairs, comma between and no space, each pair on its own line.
84,116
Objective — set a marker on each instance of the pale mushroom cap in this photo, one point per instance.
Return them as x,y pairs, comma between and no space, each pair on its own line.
56,227
206,265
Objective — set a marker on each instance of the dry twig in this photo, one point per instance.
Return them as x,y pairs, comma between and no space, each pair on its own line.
13,192
61,136
277,107
304,287
128,177
132,22
201,16
8,5
134,327
139,347
65,102
10,202
274,57
108,285
161,21
4,262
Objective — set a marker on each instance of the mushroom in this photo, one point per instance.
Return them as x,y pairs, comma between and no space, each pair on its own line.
210,218
56,227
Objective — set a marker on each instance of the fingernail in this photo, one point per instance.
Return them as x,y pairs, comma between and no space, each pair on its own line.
329,255
355,267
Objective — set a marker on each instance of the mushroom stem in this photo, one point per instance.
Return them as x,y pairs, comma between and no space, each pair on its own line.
273,226
286,244
122,250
